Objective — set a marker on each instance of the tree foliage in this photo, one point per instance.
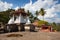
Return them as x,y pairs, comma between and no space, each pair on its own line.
41,22
42,12
56,26
4,16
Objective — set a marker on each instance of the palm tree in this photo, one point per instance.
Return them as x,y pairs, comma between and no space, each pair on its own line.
42,13
37,13
36,17
30,15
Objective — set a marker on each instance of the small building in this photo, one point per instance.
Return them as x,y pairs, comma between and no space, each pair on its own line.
45,28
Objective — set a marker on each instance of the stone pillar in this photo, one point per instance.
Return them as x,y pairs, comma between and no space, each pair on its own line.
32,28
11,28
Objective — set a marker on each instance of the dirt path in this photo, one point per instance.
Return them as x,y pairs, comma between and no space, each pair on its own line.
32,36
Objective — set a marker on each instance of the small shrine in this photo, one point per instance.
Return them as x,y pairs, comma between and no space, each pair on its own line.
45,28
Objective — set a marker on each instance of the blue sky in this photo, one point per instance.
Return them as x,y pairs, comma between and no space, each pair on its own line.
18,2
22,2
52,7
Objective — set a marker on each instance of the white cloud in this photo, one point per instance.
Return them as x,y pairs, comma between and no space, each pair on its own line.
57,8
5,6
50,13
51,7
57,20
16,8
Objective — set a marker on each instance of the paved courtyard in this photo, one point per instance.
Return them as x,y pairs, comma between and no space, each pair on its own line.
32,36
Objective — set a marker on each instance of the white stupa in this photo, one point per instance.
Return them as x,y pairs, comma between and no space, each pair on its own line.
18,18
28,21
11,21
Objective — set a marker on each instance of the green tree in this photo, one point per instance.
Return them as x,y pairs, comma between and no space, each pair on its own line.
36,13
54,26
42,13
58,26
36,17
42,22
4,15
31,17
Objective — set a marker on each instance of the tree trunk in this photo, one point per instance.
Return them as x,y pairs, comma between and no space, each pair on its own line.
43,18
